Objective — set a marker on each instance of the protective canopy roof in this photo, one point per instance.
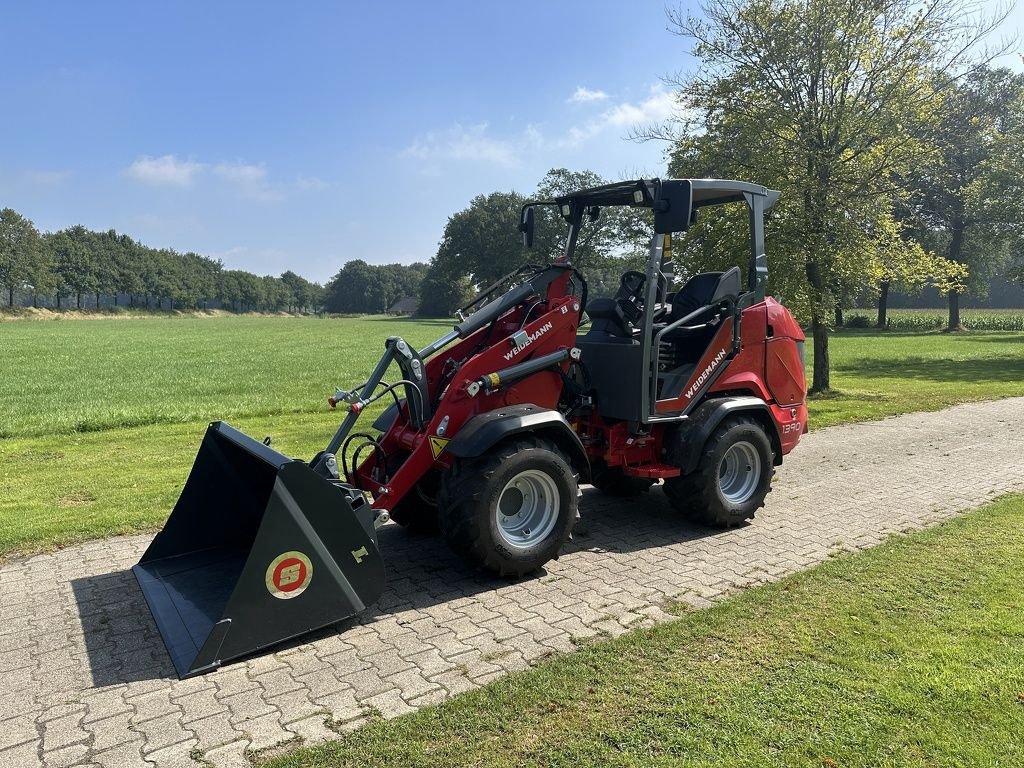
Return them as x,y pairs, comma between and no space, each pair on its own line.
705,192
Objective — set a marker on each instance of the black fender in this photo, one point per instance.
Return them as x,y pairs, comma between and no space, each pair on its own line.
485,430
693,432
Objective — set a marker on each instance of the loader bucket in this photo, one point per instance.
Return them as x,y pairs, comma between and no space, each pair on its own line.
258,549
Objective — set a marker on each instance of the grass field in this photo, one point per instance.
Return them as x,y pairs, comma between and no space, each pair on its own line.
908,654
66,376
100,420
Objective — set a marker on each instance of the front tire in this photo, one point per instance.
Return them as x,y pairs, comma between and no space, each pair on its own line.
510,510
731,479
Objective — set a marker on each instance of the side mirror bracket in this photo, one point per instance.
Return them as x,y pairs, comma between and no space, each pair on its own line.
527,224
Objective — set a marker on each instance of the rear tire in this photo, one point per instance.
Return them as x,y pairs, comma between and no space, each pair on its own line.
731,479
612,481
510,510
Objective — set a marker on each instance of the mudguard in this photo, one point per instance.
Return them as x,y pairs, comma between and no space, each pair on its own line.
693,432
485,430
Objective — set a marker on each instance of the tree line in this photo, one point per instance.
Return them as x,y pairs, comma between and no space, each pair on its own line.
898,149
77,266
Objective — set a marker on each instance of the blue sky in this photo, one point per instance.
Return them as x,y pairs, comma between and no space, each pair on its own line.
299,136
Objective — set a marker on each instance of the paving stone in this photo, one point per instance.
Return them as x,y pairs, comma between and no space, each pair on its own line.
82,663
312,730
454,682
215,730
160,732
65,756
390,704
246,706
200,704
294,705
63,731
113,731
153,704
17,730
229,756
429,699
175,756
342,706
22,756
266,731
322,683
123,756
104,702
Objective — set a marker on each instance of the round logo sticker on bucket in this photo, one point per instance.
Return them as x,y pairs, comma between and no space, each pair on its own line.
289,575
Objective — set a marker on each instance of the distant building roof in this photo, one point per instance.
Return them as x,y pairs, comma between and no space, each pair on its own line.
407,305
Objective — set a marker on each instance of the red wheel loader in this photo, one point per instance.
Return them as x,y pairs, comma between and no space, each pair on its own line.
491,429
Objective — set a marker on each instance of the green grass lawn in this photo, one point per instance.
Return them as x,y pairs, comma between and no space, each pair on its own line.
78,376
877,374
909,654
100,419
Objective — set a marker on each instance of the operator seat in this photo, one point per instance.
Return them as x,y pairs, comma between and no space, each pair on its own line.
702,291
682,347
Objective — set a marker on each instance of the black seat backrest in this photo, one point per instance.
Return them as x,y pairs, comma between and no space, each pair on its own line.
704,289
606,316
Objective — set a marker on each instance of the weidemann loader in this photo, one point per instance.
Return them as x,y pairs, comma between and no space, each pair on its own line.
489,432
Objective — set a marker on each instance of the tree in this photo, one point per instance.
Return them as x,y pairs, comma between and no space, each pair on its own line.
74,265
969,196
825,100
443,291
19,251
483,240
128,257
619,232
353,289
229,289
42,278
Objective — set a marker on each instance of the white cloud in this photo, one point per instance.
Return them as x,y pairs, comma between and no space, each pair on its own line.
250,180
583,95
310,183
46,178
654,109
476,144
241,173
461,143
166,170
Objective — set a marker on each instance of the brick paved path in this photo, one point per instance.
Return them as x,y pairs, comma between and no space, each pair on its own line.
84,678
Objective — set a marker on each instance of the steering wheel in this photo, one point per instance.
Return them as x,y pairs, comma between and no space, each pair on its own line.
631,285
630,296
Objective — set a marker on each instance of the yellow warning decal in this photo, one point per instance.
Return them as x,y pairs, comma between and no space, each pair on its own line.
437,445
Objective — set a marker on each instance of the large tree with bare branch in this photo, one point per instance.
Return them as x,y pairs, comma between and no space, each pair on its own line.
826,100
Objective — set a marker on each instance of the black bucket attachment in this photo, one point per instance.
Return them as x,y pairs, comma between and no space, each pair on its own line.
258,549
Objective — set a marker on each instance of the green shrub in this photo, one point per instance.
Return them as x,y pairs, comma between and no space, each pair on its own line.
857,321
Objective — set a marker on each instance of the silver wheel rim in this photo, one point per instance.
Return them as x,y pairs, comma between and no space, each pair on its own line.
739,473
527,509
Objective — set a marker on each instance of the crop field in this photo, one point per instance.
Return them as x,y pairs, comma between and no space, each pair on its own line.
935,319
100,420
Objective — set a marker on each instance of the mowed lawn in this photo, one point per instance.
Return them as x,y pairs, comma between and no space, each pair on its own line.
68,376
908,654
101,419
